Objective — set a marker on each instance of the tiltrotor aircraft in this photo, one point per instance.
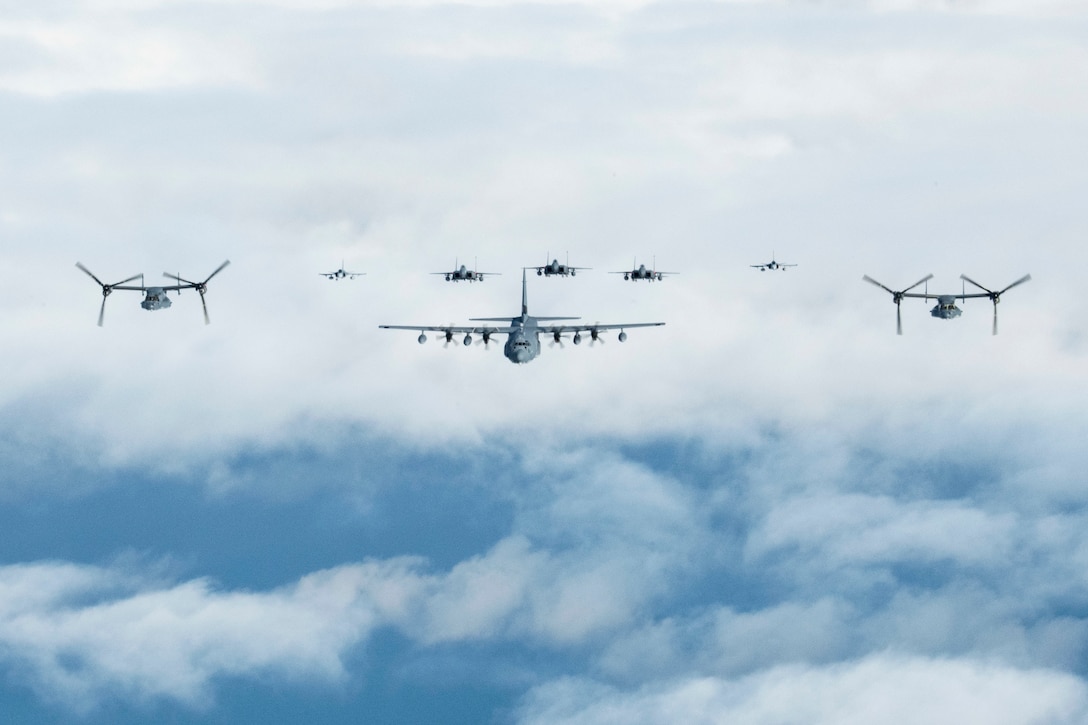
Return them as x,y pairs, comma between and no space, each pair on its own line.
945,308
462,273
554,268
772,265
341,274
523,332
640,272
155,298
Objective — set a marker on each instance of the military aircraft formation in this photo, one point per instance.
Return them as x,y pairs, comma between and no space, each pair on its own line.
523,331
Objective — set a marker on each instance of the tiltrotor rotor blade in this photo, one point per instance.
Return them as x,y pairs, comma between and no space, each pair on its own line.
923,279
103,285
89,274
223,265
1022,280
965,278
169,275
870,280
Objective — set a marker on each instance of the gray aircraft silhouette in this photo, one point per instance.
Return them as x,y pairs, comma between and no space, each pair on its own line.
341,274
523,332
640,272
555,267
464,274
945,308
772,265
155,298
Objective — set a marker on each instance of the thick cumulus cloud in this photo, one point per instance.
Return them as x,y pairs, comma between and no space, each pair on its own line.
565,577
644,584
87,634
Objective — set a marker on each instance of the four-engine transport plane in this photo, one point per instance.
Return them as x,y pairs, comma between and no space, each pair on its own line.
462,273
523,332
155,298
640,272
945,308
772,265
341,274
554,268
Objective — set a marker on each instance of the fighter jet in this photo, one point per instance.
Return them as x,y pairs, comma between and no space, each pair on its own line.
463,273
640,272
523,332
772,265
555,268
341,274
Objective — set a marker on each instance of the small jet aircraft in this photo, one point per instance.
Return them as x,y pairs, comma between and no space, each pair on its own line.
523,332
341,274
155,298
554,268
772,265
462,273
640,272
945,308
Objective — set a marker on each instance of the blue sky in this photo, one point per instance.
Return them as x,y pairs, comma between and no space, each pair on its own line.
773,509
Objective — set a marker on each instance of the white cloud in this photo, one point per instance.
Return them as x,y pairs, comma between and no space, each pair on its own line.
116,53
868,529
880,688
88,640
